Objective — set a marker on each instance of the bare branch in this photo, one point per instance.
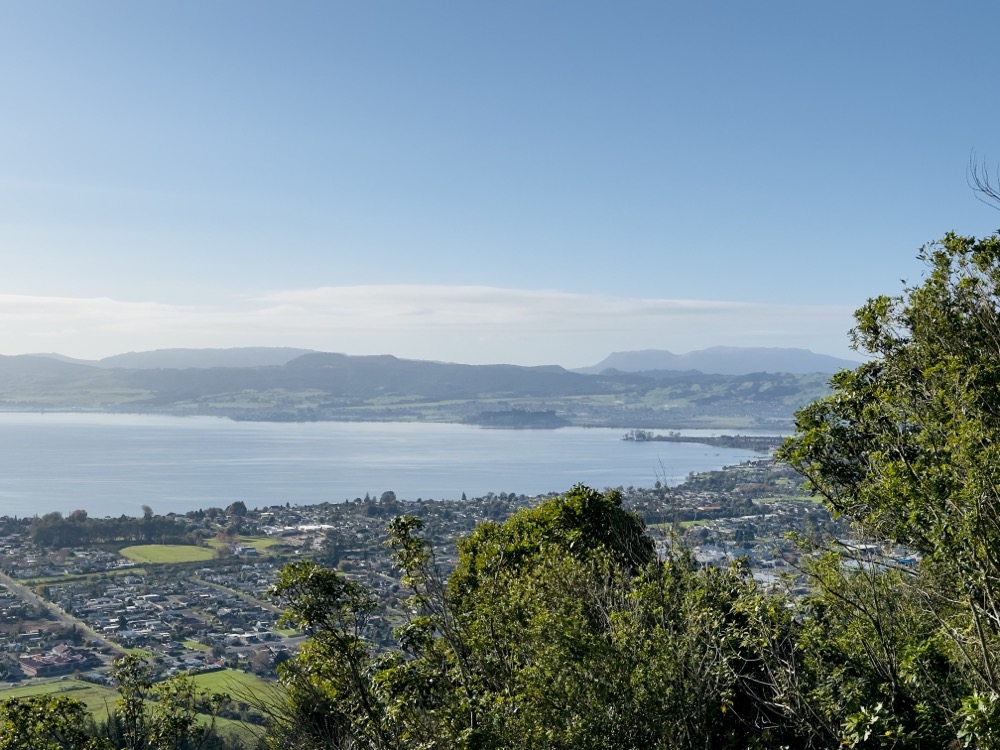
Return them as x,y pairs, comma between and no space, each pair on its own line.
984,183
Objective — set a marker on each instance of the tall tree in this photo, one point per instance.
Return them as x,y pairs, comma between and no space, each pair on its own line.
908,444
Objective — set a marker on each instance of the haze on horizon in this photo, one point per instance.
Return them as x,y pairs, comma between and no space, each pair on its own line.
522,183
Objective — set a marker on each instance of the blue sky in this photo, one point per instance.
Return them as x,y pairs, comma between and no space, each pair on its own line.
522,181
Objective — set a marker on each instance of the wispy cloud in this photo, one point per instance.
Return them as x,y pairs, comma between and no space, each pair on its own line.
457,323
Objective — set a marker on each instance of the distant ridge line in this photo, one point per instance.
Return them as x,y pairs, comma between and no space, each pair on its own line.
723,360
189,358
717,360
320,386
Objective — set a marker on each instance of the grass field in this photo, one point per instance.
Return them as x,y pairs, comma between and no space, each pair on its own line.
242,688
234,683
259,543
97,698
167,553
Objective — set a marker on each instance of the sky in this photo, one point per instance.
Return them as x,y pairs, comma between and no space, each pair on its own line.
523,182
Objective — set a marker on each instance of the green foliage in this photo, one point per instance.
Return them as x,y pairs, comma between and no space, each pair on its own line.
872,728
908,444
581,524
46,722
557,629
872,656
330,696
980,714
161,716
52,530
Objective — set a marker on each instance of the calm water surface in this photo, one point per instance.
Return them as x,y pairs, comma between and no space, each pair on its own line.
111,464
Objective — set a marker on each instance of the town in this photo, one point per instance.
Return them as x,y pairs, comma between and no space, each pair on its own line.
190,591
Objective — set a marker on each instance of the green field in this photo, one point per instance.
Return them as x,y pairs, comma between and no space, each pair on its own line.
241,688
97,698
259,543
167,553
236,684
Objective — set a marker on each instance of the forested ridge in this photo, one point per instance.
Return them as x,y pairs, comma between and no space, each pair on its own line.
564,626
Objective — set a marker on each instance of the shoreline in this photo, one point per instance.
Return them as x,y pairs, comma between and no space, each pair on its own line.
777,427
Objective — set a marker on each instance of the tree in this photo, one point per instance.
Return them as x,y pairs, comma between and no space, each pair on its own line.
164,716
908,444
557,629
238,509
985,185
46,722
560,629
331,701
579,523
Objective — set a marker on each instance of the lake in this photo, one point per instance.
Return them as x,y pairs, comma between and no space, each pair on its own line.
112,464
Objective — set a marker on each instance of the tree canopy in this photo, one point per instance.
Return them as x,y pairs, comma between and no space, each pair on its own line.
558,628
908,445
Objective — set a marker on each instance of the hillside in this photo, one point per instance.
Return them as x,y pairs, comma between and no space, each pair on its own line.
724,360
326,386
247,356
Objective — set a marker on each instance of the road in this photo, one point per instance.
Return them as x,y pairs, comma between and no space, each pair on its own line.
25,593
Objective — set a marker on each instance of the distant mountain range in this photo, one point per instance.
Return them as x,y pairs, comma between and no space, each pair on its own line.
719,360
272,384
723,360
182,359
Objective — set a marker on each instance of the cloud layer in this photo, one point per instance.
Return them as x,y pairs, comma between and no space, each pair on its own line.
455,323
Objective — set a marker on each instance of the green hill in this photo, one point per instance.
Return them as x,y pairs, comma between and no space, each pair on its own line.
324,386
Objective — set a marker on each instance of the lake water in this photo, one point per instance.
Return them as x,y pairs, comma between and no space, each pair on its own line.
110,464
